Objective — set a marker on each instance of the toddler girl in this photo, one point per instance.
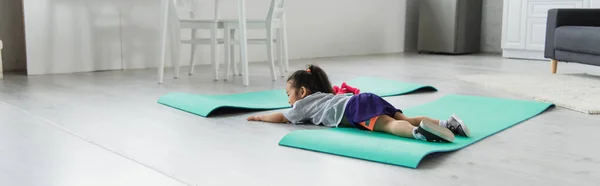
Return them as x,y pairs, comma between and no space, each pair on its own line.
311,95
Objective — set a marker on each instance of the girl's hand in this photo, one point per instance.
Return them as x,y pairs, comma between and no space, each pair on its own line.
271,118
254,118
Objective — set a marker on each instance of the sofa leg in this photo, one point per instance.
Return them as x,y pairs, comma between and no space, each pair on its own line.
554,65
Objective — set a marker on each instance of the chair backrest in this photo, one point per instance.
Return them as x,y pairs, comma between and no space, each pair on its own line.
276,10
189,6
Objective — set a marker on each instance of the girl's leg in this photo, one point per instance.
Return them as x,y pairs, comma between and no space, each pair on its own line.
414,121
426,131
454,124
390,125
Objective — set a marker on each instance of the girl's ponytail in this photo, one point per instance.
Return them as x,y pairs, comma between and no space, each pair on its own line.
320,82
313,78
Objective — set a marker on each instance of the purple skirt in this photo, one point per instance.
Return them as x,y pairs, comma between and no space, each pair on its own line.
364,106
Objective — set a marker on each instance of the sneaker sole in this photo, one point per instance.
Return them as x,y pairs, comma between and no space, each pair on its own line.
462,124
437,130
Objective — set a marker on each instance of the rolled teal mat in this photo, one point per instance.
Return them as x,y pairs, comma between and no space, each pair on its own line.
205,105
483,115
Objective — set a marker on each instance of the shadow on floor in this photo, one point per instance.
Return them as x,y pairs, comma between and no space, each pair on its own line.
435,160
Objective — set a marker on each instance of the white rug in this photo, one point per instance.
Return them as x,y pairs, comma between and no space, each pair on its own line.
579,92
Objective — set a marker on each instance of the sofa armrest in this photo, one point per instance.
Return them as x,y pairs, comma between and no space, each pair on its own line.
567,17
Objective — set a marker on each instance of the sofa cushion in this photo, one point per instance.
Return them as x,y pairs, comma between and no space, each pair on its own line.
575,57
581,39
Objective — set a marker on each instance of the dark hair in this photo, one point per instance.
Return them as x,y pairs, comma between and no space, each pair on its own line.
313,78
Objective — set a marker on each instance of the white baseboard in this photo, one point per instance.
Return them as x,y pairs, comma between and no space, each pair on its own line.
524,54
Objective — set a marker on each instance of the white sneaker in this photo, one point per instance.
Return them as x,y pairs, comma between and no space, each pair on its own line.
433,132
457,126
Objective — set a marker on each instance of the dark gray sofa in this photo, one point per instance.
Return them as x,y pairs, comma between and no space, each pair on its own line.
573,35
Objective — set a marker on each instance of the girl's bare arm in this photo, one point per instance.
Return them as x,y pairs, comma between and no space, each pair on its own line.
271,118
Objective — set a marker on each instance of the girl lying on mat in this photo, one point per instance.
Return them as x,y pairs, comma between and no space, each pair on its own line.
312,99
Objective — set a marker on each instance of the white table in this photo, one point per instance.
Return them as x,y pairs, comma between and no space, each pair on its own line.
242,32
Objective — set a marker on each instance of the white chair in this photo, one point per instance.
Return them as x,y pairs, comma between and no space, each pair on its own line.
274,24
174,26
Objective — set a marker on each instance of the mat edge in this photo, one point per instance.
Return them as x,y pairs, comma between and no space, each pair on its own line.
208,114
346,156
548,107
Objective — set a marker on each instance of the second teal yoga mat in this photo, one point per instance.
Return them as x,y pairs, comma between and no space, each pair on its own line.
483,115
205,105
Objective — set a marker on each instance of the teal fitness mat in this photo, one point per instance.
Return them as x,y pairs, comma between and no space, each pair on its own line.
483,115
205,105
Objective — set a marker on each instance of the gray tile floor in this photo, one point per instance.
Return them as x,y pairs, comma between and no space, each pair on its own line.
105,128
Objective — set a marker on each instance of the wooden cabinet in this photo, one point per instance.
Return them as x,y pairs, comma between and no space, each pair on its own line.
524,25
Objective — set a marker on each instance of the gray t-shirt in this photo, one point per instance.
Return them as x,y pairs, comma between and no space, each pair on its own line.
318,108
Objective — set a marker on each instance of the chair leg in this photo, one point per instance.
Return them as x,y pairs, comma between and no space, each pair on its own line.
192,53
270,52
227,51
163,56
161,67
233,61
280,53
232,54
240,65
232,57
176,52
214,52
284,43
176,57
554,66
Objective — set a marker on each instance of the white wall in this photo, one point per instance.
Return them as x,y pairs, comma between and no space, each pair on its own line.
73,35
491,26
66,36
11,33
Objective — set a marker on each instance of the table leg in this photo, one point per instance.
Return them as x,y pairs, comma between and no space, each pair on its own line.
163,45
243,40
